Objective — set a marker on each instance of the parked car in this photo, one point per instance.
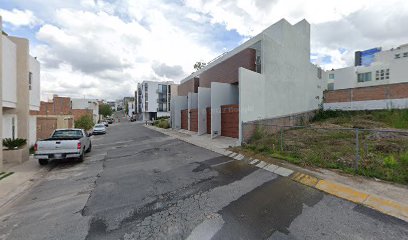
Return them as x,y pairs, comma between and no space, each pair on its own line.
105,123
63,144
110,120
99,129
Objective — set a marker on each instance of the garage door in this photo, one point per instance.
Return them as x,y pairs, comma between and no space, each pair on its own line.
194,120
184,119
208,120
229,120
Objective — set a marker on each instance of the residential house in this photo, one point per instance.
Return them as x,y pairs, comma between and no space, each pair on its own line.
378,80
80,105
269,78
19,91
153,99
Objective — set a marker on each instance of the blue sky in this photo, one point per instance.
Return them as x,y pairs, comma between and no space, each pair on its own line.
103,48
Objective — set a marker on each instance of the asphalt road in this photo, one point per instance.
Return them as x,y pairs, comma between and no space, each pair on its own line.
140,184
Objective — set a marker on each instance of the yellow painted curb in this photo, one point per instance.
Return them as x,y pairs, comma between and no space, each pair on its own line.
305,179
341,191
388,207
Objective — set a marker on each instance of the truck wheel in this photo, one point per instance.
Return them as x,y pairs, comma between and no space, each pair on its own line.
81,158
43,162
90,148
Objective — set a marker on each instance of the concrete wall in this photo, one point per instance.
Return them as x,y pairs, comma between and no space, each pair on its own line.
387,96
32,132
34,68
22,108
251,97
221,94
9,73
192,103
178,103
204,101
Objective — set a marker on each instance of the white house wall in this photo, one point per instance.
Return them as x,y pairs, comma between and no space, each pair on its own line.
204,101
291,82
9,73
34,68
178,103
32,130
221,94
251,97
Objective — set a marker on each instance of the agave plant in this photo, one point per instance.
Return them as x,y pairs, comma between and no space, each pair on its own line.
12,144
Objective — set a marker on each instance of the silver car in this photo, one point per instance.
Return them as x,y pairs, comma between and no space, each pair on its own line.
99,129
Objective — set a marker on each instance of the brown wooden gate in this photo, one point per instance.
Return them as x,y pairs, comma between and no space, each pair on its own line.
194,120
230,120
208,120
184,119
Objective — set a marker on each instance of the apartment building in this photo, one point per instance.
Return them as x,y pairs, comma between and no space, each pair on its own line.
20,91
269,78
86,104
153,99
378,80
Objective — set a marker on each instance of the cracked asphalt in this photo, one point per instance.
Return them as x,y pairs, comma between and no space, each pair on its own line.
141,184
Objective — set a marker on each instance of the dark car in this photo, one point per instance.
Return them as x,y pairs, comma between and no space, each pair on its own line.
109,120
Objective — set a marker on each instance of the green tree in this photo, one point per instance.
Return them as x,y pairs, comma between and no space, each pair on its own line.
85,122
127,109
105,110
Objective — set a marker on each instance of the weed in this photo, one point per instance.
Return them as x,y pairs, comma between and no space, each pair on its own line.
390,162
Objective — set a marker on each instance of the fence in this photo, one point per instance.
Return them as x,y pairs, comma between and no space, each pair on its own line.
356,148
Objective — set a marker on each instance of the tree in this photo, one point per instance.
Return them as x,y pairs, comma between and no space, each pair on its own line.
105,110
127,109
85,122
199,65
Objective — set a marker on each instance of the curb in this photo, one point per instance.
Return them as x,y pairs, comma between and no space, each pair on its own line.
372,201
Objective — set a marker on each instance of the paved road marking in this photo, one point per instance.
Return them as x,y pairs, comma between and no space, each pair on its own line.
341,191
283,171
305,179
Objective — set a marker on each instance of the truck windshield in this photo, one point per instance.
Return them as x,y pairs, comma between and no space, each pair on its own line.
67,133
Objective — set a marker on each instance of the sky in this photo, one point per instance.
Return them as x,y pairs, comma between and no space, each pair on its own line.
103,48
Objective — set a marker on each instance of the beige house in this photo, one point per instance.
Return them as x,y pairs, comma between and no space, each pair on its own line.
20,94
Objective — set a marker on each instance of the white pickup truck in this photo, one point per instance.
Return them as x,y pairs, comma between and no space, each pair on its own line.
63,144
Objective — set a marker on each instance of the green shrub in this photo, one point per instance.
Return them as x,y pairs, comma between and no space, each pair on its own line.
85,122
390,162
11,144
404,158
258,134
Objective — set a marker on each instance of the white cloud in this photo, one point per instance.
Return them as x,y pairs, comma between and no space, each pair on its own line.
19,18
103,48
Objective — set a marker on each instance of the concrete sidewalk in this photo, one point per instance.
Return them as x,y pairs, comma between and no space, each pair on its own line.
385,197
23,177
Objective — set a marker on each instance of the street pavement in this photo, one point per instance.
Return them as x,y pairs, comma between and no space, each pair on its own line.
140,184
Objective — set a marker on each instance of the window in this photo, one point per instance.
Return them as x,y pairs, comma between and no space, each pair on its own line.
405,54
30,79
146,87
364,77
397,56
382,74
330,86
331,76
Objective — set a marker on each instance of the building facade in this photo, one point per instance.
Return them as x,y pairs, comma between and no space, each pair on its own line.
86,104
268,77
20,91
377,81
153,99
